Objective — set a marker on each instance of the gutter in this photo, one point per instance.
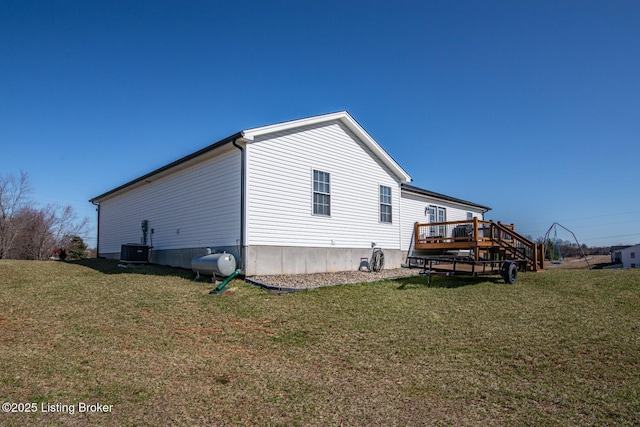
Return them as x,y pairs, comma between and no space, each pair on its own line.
97,205
242,201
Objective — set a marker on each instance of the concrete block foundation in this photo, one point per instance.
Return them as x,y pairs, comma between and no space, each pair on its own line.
180,257
268,260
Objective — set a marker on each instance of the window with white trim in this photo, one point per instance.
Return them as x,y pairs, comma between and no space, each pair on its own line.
385,204
431,213
437,214
321,193
442,217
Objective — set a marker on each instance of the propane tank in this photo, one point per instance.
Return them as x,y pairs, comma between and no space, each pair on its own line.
219,264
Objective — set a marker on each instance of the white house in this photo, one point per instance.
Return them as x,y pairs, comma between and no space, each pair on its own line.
303,196
630,257
616,253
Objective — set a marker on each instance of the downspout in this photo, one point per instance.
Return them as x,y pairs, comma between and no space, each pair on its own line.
98,233
242,202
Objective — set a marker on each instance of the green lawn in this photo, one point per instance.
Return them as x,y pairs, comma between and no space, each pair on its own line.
557,348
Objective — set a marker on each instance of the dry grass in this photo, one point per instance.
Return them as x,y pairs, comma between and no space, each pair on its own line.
579,263
558,348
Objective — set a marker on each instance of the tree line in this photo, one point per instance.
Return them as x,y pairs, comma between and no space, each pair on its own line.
29,231
557,249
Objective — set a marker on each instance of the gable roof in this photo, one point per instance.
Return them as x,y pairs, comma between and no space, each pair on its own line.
345,118
618,248
422,192
250,135
630,248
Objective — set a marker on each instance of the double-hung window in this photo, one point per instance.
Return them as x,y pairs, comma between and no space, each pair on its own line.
321,193
442,217
385,204
437,214
431,213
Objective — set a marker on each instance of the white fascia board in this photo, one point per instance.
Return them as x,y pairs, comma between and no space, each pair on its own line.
250,134
349,122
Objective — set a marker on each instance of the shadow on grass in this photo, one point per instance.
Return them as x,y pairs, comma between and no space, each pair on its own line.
413,282
109,266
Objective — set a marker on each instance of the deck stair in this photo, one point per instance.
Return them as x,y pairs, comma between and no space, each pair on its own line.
483,240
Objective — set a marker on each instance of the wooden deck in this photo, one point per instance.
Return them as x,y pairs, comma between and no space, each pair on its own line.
484,240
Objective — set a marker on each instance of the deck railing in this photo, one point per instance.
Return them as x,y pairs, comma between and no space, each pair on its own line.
478,235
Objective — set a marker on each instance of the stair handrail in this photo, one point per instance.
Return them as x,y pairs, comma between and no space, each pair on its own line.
533,260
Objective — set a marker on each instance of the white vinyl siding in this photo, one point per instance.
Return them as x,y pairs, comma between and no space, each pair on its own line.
628,256
279,180
194,207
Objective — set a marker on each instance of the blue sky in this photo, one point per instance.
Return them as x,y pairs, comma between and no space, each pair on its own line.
530,107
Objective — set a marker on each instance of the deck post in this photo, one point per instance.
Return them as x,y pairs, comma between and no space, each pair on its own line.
476,238
475,229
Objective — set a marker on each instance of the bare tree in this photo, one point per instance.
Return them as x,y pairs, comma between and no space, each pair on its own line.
66,226
43,230
30,232
33,235
14,193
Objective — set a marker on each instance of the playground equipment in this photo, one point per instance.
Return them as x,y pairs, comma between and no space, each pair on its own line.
554,250
555,253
